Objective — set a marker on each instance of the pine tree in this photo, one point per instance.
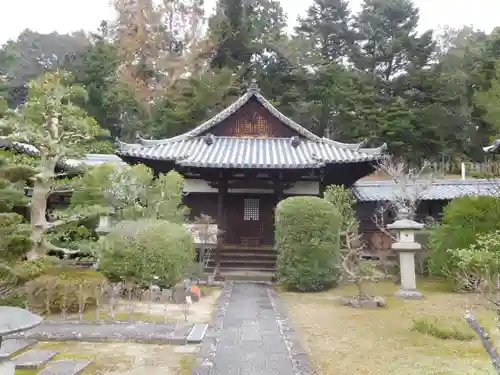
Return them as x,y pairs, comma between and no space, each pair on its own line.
14,234
327,28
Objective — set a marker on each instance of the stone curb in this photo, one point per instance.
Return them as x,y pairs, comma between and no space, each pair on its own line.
206,356
297,354
118,331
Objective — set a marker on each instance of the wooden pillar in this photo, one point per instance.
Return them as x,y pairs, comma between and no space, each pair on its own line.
278,190
221,224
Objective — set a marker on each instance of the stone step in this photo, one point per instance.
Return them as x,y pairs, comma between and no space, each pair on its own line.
33,358
12,346
65,367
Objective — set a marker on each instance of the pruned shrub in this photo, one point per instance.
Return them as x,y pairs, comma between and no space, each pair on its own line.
64,289
463,220
31,269
442,330
477,267
15,298
308,243
147,251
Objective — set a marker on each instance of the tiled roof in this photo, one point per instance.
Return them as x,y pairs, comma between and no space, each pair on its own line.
97,159
89,159
194,149
372,191
236,152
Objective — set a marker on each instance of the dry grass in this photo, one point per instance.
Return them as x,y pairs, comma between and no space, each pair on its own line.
342,340
124,358
198,312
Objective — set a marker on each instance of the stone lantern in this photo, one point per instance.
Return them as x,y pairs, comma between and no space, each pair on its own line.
14,320
406,246
102,229
104,225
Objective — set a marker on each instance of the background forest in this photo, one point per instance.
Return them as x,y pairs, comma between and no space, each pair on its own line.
160,70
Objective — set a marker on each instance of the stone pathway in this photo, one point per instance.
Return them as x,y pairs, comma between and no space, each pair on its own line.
251,335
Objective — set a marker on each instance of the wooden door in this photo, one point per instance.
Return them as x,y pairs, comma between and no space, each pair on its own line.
250,220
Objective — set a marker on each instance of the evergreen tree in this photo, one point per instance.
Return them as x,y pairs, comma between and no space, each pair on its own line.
387,40
230,29
327,28
14,234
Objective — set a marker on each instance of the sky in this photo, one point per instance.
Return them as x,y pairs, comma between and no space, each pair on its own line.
70,15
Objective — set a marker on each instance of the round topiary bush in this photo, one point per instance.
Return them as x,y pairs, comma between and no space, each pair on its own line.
308,243
147,251
463,220
69,289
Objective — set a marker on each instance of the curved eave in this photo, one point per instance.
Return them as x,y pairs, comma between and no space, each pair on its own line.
265,153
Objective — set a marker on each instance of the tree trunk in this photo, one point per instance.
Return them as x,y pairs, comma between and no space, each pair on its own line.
38,207
485,338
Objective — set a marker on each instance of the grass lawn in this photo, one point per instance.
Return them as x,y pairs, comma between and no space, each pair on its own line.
343,340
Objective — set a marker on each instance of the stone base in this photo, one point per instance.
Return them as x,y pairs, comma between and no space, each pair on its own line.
367,302
408,294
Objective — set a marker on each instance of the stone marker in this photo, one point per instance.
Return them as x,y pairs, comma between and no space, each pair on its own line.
197,333
14,320
65,367
12,346
33,359
179,294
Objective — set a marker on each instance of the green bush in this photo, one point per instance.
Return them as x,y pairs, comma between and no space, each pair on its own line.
440,330
463,220
478,265
308,243
14,298
65,288
141,251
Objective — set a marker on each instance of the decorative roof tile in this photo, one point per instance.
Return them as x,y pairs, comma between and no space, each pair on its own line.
493,147
373,191
236,152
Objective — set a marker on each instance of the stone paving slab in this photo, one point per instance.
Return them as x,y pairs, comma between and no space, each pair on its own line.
164,333
65,367
11,346
33,359
251,335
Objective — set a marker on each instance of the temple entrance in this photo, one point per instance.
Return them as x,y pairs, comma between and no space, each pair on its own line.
250,220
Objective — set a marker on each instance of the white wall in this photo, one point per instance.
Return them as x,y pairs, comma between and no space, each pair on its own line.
299,188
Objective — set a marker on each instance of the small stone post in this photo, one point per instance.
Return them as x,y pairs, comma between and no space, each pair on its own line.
406,246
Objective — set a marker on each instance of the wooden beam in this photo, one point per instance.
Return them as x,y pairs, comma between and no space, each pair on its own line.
221,223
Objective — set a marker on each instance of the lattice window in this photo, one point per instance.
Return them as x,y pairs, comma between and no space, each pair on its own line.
256,126
252,209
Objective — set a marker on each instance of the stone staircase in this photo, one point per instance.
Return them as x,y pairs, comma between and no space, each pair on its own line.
245,263
25,357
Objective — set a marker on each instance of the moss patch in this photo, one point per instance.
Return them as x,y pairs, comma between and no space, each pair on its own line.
343,340
26,372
